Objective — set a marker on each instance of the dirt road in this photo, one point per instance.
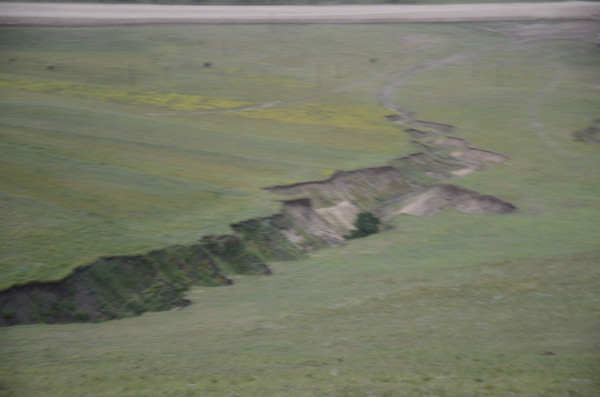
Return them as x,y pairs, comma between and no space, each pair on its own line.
136,14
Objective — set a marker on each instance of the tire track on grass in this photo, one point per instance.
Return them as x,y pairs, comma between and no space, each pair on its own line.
385,92
533,113
384,95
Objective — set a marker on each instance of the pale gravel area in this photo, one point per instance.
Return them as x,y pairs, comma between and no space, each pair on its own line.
63,14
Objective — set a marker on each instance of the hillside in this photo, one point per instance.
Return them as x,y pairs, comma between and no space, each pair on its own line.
128,140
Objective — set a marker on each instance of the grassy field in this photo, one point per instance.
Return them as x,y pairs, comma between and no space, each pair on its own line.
90,168
119,140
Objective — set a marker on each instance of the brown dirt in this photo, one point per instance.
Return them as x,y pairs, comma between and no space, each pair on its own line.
340,216
427,163
475,156
332,205
439,197
306,221
450,142
466,171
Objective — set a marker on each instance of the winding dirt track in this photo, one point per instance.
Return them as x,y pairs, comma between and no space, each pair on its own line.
140,14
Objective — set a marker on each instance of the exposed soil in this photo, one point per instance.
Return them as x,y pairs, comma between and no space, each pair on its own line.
331,206
340,216
466,171
439,197
475,156
427,163
315,231
451,142
363,187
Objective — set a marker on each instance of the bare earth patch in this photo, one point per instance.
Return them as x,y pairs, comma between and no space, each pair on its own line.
439,197
473,155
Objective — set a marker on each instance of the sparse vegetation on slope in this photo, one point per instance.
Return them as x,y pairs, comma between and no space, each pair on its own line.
124,286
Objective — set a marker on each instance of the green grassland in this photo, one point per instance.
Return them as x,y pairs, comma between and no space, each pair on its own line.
86,171
119,140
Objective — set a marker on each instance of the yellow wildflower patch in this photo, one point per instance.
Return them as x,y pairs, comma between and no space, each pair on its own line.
272,80
339,116
174,101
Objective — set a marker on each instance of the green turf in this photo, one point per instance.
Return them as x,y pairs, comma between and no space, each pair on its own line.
451,305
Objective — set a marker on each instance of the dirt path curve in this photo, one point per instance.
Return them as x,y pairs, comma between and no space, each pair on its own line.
385,92
53,14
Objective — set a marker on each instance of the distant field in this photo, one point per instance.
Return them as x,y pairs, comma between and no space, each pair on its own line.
120,140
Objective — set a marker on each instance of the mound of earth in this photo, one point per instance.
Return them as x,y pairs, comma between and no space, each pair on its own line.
441,196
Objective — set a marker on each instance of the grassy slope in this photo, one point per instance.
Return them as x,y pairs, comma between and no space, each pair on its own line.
449,305
86,172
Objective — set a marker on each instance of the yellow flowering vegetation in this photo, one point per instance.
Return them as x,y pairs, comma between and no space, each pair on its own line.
272,80
339,116
173,101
